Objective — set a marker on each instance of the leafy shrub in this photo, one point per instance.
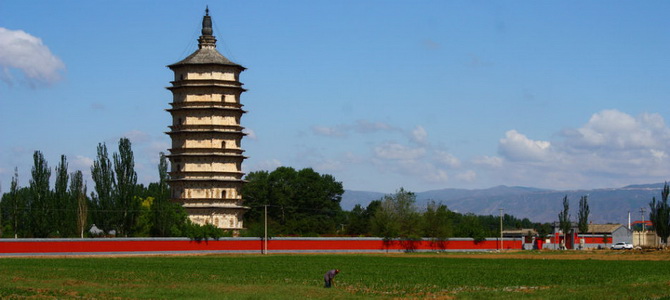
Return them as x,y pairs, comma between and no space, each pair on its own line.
198,232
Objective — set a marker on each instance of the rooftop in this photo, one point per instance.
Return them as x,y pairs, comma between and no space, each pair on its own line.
207,53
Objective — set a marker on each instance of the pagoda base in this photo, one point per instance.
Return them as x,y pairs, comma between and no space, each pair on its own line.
224,218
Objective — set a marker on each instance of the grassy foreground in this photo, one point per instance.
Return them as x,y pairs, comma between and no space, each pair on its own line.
362,276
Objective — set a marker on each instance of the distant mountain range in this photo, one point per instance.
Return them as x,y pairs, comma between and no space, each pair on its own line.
539,205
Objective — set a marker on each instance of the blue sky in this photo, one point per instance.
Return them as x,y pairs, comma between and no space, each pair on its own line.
381,94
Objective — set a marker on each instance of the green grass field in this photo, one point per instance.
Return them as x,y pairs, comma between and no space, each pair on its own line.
300,276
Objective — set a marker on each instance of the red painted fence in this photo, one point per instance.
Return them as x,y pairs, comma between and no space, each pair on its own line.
238,245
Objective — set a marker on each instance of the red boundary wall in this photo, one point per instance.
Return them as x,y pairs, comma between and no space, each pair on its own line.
588,239
238,245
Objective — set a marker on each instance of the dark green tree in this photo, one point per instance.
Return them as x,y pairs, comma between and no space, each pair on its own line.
282,182
397,218
256,194
583,222
360,219
299,202
168,218
103,198
356,222
316,205
385,221
659,215
564,222
77,195
40,202
470,225
127,205
62,216
16,205
436,222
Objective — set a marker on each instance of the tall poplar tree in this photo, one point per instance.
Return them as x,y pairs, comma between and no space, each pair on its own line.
659,215
127,204
40,202
15,204
78,197
583,222
60,220
168,218
564,222
103,200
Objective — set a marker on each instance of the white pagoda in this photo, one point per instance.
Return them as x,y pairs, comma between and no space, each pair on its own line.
206,154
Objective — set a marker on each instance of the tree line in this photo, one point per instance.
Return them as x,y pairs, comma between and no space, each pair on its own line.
298,203
306,203
117,206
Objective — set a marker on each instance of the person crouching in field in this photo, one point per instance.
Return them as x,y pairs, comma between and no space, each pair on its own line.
329,277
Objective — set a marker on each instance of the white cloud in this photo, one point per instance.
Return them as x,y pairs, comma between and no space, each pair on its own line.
517,147
435,175
27,54
154,148
266,165
251,134
329,165
327,131
610,149
467,176
613,129
488,161
618,144
447,159
613,148
397,151
360,126
137,136
658,154
363,126
81,162
419,135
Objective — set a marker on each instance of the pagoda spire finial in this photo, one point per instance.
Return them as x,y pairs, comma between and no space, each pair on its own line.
207,39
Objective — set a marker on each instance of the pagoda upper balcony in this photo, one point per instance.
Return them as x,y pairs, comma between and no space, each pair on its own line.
230,129
206,151
205,105
205,83
223,177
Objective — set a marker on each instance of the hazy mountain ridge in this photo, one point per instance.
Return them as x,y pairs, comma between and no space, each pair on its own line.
608,205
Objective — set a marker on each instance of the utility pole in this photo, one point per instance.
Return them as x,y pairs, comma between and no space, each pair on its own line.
644,226
501,229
